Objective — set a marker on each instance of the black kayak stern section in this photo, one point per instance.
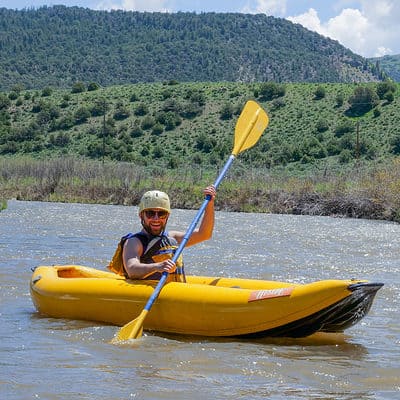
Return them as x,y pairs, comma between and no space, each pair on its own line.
335,318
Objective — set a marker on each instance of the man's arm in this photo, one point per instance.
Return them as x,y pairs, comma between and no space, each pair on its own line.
204,232
133,249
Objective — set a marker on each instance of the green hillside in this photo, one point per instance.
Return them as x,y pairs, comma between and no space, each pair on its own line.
178,124
58,46
389,64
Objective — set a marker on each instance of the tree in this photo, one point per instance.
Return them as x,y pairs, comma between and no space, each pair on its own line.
13,96
226,111
319,93
4,119
148,122
121,112
166,93
377,112
278,103
141,109
344,126
395,145
47,91
99,108
389,97
158,129
170,119
385,87
322,125
66,122
191,110
345,156
17,88
134,97
136,131
5,102
204,143
59,140
78,87
158,151
362,100
48,113
339,99
172,105
94,150
82,114
271,90
197,97
92,86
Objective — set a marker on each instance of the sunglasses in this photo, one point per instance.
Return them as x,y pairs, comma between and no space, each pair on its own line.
162,214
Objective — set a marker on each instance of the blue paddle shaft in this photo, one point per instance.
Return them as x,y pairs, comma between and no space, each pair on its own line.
188,234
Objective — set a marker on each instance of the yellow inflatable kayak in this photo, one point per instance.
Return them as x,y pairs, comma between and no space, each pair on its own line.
206,306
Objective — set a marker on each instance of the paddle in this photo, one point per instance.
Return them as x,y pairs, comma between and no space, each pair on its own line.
251,124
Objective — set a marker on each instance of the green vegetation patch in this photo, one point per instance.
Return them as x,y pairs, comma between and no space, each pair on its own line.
172,125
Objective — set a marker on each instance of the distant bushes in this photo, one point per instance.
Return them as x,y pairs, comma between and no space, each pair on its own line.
173,125
356,191
79,87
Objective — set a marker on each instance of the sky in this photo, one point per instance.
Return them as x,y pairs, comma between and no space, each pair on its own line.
370,28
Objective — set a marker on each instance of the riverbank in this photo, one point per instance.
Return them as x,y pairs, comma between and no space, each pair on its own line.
371,192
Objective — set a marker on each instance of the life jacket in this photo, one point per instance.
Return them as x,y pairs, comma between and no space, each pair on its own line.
155,249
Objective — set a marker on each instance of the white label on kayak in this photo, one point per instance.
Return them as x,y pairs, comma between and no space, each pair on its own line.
270,294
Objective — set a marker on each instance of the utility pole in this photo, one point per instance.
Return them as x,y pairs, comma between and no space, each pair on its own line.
104,128
358,141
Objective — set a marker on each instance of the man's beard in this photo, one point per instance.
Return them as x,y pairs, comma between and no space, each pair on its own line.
152,231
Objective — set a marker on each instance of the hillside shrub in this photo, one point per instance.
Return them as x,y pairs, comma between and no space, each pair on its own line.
339,99
81,115
92,86
345,156
395,145
344,126
322,125
13,96
389,97
171,105
148,122
319,93
278,103
362,100
271,90
122,112
191,110
78,87
136,131
5,101
141,109
383,88
226,111
47,91
134,97
157,129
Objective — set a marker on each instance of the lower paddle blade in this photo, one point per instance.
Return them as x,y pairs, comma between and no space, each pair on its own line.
131,330
251,124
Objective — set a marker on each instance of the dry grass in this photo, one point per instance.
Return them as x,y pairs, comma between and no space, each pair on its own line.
368,192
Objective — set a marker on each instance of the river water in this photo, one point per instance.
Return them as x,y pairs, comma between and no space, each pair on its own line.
45,358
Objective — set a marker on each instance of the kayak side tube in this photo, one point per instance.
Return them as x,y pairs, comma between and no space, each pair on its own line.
206,306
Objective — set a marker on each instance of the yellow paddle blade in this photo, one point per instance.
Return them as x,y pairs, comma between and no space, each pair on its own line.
251,124
131,330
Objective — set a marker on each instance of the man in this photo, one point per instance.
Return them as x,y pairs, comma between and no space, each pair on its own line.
148,253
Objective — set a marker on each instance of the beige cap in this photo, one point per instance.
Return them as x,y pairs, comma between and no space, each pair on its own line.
154,199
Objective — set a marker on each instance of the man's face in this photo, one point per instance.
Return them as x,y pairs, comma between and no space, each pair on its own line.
154,220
